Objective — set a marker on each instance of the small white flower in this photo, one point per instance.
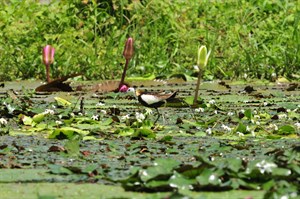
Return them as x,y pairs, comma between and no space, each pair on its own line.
253,133
284,197
282,116
297,124
71,114
95,117
100,104
265,103
226,128
248,128
80,114
256,116
196,68
274,126
240,134
245,75
254,112
125,117
199,110
230,113
216,112
211,101
3,121
49,111
10,108
212,177
265,166
148,111
103,112
242,110
57,122
139,116
293,194
208,131
257,123
273,74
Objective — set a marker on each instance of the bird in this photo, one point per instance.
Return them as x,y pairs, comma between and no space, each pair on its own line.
153,99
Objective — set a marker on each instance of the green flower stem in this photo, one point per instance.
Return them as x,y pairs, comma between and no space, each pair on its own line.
48,73
195,102
124,73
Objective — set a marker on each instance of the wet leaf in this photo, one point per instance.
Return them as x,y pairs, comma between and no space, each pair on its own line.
179,181
68,132
38,117
161,167
62,102
286,130
208,177
142,132
248,114
58,169
26,120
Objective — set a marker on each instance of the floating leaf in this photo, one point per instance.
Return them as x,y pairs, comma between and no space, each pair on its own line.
26,120
286,130
209,177
162,167
248,114
38,117
143,132
72,147
181,182
68,132
62,102
58,169
241,128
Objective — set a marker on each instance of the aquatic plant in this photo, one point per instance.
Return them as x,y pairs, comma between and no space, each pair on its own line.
48,59
127,53
203,56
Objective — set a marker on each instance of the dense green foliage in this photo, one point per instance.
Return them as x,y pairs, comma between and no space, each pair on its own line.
257,37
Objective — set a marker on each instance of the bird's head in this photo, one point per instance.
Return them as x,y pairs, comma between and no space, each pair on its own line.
137,92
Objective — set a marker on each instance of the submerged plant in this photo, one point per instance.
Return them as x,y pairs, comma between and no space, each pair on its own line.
48,58
127,53
203,56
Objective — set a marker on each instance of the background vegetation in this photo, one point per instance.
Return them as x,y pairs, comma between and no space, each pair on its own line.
259,38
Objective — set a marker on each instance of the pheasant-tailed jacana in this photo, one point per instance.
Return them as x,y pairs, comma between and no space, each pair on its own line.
153,99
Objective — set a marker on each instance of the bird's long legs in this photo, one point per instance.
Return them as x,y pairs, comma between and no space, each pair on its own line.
158,116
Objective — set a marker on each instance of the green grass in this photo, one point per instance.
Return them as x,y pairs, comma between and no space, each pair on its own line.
256,38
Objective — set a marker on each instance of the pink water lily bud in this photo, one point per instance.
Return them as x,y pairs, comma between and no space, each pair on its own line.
123,88
128,50
48,55
48,58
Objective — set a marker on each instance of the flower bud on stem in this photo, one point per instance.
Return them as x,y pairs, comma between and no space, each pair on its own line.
48,58
127,53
